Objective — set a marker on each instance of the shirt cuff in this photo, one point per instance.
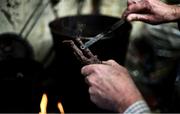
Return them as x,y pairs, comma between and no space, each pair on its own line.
139,107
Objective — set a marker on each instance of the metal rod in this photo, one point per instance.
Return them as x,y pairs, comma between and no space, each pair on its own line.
36,20
29,19
103,34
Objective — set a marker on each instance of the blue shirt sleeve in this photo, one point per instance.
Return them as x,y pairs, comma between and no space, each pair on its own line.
139,107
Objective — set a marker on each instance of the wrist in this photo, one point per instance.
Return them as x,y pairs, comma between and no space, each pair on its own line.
131,99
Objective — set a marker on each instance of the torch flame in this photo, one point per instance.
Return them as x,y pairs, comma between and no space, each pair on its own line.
43,104
60,107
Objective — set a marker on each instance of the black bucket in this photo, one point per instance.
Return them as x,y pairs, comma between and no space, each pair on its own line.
72,87
114,47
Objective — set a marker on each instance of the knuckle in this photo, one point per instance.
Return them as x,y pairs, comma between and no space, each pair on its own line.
97,70
87,70
111,61
91,80
83,70
129,8
136,17
129,18
91,90
125,71
88,80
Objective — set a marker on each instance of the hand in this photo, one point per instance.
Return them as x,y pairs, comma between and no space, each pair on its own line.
151,11
111,87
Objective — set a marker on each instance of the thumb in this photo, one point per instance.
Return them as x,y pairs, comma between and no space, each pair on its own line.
138,17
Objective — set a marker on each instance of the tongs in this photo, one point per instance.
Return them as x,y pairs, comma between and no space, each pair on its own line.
102,35
82,51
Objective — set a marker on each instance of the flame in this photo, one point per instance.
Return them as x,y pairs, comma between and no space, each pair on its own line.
43,104
60,107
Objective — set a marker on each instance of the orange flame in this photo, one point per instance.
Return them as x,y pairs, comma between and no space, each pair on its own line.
43,104
60,107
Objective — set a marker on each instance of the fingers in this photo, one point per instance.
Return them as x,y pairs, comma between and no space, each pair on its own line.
90,69
92,92
112,63
95,68
95,95
136,7
90,80
87,70
130,2
94,79
132,9
148,18
97,72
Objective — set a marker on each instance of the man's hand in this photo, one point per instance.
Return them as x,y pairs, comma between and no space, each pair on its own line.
111,87
151,11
